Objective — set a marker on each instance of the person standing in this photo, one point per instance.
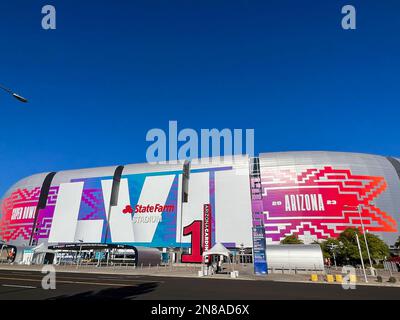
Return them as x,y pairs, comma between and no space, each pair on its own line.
220,261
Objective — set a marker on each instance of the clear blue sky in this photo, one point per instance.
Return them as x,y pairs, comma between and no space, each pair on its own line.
115,69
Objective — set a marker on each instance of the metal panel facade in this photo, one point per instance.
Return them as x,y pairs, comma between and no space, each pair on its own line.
313,194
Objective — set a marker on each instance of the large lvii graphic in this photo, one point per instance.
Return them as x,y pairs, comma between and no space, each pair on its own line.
147,211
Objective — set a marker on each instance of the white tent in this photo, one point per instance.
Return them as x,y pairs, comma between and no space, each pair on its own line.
217,249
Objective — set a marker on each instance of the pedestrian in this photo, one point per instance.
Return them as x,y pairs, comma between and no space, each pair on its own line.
220,261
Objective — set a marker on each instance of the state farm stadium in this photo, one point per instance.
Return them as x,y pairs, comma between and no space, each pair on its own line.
314,195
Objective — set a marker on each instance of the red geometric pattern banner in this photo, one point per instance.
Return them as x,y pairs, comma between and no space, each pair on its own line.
322,202
18,214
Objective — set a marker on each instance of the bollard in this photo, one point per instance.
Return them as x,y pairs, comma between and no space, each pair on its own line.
339,278
329,278
314,277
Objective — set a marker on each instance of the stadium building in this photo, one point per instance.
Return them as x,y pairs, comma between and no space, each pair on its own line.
240,202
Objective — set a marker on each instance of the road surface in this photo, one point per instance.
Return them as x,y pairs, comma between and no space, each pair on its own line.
28,285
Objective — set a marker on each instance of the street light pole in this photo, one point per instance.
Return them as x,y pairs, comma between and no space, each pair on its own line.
365,236
80,251
363,230
15,95
241,251
333,247
361,257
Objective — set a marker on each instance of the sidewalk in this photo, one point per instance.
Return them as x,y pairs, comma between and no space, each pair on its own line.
191,271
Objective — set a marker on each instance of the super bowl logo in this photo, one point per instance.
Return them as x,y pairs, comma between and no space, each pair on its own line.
322,202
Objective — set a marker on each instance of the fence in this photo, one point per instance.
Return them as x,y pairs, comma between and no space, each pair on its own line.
390,266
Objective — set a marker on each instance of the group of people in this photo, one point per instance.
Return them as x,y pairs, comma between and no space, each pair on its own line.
10,255
215,263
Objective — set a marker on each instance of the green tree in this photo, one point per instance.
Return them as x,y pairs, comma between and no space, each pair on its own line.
377,247
350,251
331,247
292,239
346,249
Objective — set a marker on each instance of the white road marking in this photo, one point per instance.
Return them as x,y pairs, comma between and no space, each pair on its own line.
75,282
17,286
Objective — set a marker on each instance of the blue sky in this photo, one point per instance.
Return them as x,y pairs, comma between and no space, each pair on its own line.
111,71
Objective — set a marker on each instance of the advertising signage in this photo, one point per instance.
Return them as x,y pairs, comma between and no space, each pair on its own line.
207,242
321,201
259,255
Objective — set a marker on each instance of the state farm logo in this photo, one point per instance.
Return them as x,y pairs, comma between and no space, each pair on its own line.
128,209
152,213
157,208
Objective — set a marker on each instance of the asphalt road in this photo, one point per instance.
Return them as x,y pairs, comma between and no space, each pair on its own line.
27,285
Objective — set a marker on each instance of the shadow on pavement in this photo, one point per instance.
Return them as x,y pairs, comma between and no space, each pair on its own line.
121,293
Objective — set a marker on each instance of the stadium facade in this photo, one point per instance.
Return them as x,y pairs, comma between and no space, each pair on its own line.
240,202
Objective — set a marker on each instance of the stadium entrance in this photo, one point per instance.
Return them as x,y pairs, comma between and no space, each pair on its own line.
95,254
